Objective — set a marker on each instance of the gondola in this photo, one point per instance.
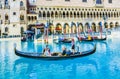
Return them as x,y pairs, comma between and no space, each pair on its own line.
62,41
100,39
55,56
84,39
93,39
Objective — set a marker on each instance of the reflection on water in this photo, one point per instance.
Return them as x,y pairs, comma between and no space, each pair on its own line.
65,69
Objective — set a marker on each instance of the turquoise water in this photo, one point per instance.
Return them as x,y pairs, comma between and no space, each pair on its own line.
103,64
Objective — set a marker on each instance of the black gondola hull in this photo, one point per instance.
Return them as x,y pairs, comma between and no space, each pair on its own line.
42,57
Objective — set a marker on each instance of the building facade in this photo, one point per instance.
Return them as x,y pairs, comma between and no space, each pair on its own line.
62,16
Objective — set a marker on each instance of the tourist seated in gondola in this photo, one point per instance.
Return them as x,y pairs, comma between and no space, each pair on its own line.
68,53
46,51
89,37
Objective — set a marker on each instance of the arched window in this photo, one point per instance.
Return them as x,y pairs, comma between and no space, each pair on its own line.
98,2
6,29
6,17
44,14
21,3
40,15
63,14
6,2
21,17
48,14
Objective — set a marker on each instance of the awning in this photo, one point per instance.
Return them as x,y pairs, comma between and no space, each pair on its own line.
58,29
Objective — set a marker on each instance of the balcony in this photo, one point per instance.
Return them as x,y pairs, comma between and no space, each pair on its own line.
99,5
22,8
7,21
22,21
7,7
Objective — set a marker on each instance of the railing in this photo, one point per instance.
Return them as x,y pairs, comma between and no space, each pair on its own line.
22,21
99,5
7,21
11,36
22,8
7,7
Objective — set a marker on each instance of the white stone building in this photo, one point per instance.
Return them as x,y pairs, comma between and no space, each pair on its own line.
64,16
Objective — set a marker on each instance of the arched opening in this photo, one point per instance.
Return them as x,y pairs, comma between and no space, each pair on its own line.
116,24
32,18
97,14
81,14
91,14
106,25
66,28
100,25
44,14
56,14
6,29
87,14
77,14
71,15
80,28
29,18
94,15
73,28
100,15
98,2
84,15
21,3
67,14
111,25
51,29
60,14
87,27
35,18
74,14
48,14
21,17
21,31
63,14
114,14
58,28
94,27
52,14
109,14
6,17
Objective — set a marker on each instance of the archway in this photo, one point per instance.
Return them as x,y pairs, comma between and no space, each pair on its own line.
116,24
73,28
87,27
51,29
94,27
58,28
100,26
111,25
106,25
21,3
80,27
66,28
